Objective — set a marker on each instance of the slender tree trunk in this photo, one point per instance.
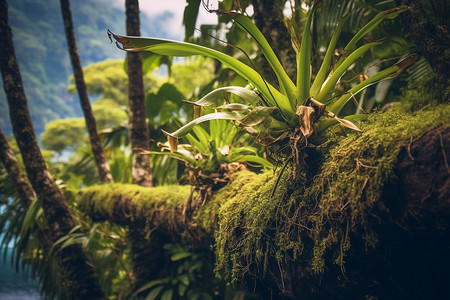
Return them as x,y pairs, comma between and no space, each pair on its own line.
142,173
20,180
269,18
96,145
23,187
78,276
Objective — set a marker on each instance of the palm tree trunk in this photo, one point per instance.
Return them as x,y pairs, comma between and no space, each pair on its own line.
20,180
96,145
141,172
79,277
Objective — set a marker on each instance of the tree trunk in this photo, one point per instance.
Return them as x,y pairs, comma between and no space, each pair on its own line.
20,180
141,172
96,145
432,40
269,18
78,276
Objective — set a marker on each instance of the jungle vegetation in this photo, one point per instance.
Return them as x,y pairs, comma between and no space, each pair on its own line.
299,150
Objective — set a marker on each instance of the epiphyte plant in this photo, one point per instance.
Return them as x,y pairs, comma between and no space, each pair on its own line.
292,110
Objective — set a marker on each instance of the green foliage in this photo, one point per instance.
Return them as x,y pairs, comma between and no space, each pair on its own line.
194,72
208,152
24,227
293,108
109,80
190,277
108,113
64,134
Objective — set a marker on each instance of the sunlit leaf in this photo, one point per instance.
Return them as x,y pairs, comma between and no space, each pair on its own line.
217,98
256,116
304,62
325,66
389,14
348,124
180,255
287,86
154,293
219,115
174,48
390,72
234,107
330,83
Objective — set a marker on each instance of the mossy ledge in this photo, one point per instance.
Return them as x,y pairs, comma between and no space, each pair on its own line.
348,234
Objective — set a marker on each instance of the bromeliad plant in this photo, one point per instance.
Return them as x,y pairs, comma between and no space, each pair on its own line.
211,158
295,111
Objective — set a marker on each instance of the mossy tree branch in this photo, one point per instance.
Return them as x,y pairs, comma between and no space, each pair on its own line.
318,239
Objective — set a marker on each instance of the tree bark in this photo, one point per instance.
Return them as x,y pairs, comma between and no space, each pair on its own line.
141,172
20,180
96,145
79,277
269,18
432,40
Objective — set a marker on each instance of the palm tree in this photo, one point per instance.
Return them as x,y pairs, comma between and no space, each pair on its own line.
20,180
80,281
142,173
96,145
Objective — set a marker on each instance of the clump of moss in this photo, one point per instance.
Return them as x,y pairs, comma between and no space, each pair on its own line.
349,185
247,220
302,224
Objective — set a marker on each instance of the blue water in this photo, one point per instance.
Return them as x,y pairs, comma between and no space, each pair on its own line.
14,286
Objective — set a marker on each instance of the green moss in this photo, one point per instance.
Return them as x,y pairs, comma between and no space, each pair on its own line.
301,224
247,223
101,200
352,177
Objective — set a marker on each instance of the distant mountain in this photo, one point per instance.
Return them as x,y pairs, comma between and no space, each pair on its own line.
41,49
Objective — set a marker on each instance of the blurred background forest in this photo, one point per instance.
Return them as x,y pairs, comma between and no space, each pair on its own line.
219,264
42,52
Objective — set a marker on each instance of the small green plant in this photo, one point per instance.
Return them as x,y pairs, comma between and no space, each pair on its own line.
211,157
295,111
190,277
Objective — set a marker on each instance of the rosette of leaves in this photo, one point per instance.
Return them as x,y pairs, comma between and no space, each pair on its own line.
212,157
291,111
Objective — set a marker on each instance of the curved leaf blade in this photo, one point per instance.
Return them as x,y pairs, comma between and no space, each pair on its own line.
175,48
235,116
337,74
246,24
216,97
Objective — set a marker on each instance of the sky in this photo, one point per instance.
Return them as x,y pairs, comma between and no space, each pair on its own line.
175,8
